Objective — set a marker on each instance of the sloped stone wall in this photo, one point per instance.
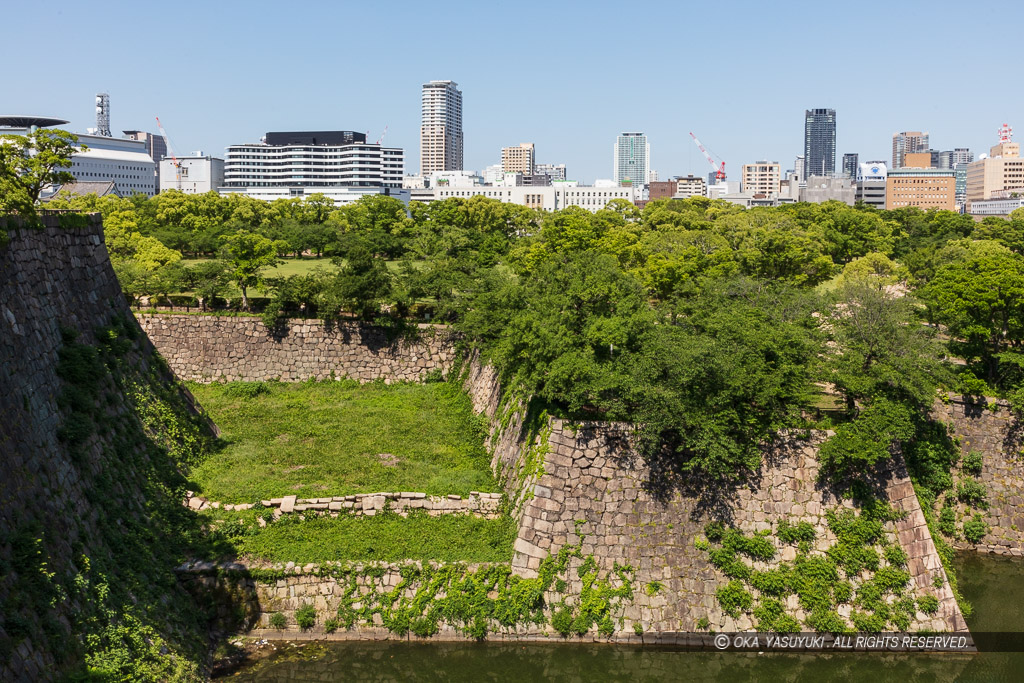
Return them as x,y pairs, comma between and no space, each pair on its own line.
990,427
206,348
594,490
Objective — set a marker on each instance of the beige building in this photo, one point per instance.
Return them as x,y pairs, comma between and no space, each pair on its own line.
690,186
518,159
925,188
762,177
1002,170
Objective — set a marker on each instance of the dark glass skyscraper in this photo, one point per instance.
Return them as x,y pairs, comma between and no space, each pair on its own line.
819,142
850,161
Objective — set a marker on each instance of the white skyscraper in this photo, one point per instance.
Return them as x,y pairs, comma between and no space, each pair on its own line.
632,159
441,128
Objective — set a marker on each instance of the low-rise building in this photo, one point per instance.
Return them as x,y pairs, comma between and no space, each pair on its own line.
1003,204
192,175
820,189
559,195
124,161
1002,170
690,186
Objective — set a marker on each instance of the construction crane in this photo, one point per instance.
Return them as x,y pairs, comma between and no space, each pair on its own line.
381,138
719,170
170,150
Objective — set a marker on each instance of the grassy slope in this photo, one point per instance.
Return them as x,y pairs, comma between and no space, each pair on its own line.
384,538
318,439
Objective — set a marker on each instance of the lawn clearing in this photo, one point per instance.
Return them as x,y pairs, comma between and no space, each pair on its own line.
333,438
382,538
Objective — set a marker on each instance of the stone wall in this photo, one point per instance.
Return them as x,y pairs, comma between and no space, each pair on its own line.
485,505
205,348
989,426
55,282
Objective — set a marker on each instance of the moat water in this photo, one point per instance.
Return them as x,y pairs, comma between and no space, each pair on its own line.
994,585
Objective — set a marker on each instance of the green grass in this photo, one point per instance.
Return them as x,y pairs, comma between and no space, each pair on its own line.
294,266
383,538
326,438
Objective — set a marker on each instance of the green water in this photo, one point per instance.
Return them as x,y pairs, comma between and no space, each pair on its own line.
994,585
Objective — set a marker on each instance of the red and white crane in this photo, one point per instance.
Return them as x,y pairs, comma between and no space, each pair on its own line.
170,150
719,169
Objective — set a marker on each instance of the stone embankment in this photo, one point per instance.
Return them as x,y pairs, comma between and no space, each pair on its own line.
989,427
485,505
205,348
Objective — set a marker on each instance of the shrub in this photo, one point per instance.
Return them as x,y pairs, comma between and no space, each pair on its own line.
278,621
653,588
561,621
703,624
895,556
972,493
332,625
305,616
947,521
246,390
972,463
638,628
929,604
975,528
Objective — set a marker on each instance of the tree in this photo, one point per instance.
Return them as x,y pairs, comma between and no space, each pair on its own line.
247,255
208,279
881,348
980,300
29,163
362,284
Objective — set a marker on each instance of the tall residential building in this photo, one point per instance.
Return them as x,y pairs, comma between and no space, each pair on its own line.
632,159
554,171
907,142
798,167
960,155
441,146
156,145
337,163
1002,170
850,164
819,142
762,177
518,159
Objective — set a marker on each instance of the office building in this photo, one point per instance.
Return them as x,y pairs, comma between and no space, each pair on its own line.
960,155
871,181
192,175
632,159
554,171
339,164
762,178
850,163
1002,169
798,167
518,159
441,145
690,186
998,206
156,145
819,142
925,188
126,162
905,143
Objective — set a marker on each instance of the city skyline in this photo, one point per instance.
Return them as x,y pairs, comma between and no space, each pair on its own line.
205,105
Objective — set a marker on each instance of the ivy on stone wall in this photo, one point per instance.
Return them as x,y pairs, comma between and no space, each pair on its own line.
862,572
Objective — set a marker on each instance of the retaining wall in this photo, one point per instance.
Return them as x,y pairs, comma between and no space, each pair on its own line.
206,348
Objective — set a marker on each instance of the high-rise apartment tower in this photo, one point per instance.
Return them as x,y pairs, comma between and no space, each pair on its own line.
819,142
632,159
441,128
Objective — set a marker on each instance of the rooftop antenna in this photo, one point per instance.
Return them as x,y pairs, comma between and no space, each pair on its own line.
1005,133
103,114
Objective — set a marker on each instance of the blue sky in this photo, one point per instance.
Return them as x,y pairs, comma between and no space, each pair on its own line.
566,76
